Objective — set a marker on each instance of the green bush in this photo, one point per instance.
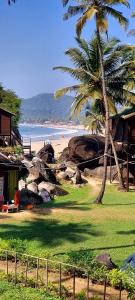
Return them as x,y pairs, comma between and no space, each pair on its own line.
84,260
17,244
125,278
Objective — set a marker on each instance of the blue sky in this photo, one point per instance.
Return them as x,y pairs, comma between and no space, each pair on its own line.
33,40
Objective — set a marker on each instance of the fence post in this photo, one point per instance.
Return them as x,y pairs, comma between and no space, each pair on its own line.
7,263
88,284
46,275
26,272
74,284
37,272
60,280
15,268
105,283
120,290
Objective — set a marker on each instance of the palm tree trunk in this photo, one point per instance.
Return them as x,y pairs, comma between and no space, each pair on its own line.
117,163
103,186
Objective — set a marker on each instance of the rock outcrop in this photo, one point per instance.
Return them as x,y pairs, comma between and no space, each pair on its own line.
46,154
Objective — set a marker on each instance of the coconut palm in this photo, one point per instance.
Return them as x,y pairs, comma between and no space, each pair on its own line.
119,69
100,10
11,1
132,32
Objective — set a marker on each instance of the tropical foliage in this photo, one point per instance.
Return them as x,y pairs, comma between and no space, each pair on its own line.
100,10
132,32
119,68
10,101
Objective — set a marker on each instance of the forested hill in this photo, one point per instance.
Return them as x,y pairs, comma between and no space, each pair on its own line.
45,107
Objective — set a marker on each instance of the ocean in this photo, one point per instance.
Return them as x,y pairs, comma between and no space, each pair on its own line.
41,132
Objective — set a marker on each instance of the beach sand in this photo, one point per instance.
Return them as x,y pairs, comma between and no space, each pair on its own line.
58,145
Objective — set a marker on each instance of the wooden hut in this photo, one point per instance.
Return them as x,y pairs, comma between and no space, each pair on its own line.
5,124
122,127
9,175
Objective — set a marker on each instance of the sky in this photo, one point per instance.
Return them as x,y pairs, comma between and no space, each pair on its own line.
33,39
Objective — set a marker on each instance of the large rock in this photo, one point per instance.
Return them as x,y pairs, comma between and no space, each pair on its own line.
104,259
39,168
47,186
52,189
28,197
33,187
46,154
83,148
77,178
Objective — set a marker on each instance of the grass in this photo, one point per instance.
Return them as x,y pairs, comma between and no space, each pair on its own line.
73,222
12,292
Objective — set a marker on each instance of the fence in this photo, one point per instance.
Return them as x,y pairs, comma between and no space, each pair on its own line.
63,279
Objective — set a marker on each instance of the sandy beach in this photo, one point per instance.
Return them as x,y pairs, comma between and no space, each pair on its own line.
58,145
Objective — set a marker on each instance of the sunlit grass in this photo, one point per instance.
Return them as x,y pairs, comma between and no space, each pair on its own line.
73,222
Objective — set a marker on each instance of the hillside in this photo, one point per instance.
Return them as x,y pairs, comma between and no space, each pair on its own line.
45,107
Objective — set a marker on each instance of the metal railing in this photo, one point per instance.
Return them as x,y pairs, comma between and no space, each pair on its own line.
63,279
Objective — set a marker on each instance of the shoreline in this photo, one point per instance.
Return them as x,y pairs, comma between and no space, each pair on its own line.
58,144
56,125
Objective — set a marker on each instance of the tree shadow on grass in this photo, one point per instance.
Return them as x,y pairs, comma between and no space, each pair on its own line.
49,233
126,232
119,204
73,205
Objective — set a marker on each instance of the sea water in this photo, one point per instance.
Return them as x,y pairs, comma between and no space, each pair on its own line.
41,132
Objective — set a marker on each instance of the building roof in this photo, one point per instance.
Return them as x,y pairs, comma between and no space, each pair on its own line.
7,111
126,113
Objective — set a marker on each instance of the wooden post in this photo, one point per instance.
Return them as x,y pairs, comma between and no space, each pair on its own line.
111,165
105,283
60,273
120,290
74,284
127,173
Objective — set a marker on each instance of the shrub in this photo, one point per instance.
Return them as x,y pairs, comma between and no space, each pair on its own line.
126,278
17,244
84,260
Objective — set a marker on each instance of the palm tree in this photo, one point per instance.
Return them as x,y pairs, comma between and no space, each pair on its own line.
100,10
119,66
132,32
11,1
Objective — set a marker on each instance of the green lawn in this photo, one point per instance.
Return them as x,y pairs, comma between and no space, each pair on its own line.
72,222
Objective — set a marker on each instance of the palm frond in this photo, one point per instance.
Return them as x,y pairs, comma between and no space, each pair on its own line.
118,2
117,15
82,21
61,92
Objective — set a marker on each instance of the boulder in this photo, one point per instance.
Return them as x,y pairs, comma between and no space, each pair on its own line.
47,186
62,176
83,148
46,154
22,184
70,172
104,259
77,178
39,168
33,187
28,197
